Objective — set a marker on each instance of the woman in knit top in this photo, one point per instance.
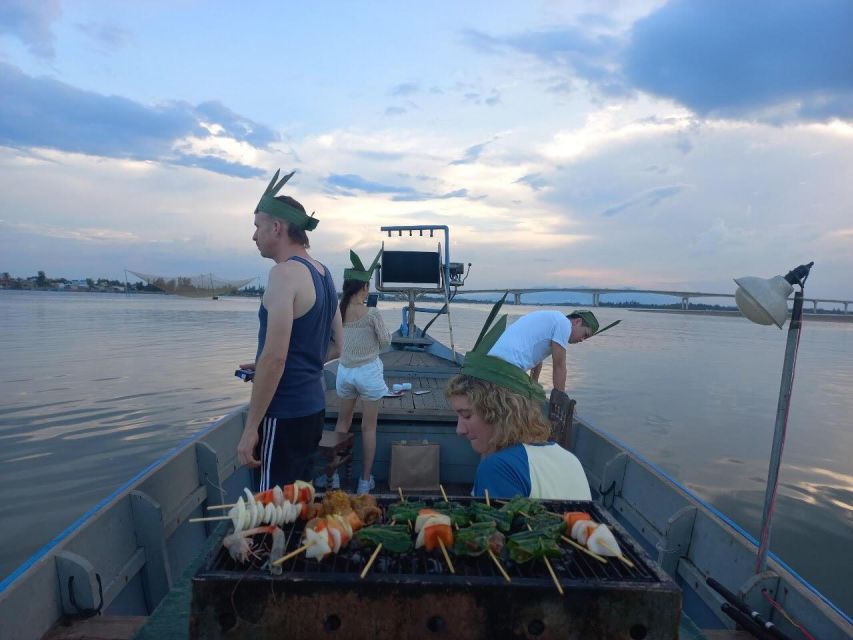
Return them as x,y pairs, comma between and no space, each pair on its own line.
360,371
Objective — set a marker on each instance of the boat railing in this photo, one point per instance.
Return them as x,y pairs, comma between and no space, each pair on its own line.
691,540
122,556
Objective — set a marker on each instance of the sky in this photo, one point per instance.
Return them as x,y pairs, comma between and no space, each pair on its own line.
645,144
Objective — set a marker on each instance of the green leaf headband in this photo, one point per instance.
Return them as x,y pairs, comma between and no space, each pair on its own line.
278,209
478,364
591,321
358,272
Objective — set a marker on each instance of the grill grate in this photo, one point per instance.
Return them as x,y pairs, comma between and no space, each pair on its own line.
421,566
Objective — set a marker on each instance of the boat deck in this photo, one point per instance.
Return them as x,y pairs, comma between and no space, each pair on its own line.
425,372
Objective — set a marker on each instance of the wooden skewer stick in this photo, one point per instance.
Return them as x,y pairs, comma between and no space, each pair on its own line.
209,519
444,495
499,565
580,547
372,558
553,575
446,556
617,553
290,555
219,506
486,493
400,489
550,568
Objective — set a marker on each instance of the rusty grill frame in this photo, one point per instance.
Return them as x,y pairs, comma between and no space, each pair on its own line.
415,595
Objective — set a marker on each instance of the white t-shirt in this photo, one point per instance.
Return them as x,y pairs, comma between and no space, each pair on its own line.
527,341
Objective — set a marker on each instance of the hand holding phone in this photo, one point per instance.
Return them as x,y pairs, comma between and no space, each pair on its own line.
246,375
372,299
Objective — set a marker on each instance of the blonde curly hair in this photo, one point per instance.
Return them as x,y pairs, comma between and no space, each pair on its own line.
516,418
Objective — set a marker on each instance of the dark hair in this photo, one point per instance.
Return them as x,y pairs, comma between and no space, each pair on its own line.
297,235
350,288
572,316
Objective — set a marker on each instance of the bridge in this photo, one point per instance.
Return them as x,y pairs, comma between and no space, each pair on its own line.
596,294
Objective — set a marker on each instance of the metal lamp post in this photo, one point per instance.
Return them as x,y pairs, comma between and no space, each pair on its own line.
765,302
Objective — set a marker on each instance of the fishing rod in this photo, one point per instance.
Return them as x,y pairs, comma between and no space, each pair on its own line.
746,617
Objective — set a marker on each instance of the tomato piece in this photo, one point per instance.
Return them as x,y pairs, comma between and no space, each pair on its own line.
575,516
288,492
264,497
434,533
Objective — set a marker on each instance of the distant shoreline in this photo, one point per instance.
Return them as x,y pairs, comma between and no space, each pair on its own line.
807,316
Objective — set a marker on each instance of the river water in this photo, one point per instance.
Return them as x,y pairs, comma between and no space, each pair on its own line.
94,387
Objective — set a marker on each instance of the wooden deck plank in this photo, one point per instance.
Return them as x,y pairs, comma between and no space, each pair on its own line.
424,371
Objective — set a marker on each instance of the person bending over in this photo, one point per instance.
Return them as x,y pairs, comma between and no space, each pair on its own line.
537,335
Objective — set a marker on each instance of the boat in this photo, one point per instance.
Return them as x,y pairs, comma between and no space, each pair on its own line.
124,568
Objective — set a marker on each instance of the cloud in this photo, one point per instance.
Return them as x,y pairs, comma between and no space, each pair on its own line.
31,23
405,89
43,112
83,234
347,184
108,36
772,59
395,111
533,180
472,153
582,50
648,198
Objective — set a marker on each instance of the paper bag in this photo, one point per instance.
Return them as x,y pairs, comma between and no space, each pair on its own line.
414,465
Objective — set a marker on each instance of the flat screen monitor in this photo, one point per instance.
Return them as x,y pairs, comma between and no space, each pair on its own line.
411,267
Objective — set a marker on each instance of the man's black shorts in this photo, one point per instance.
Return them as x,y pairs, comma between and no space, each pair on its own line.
286,448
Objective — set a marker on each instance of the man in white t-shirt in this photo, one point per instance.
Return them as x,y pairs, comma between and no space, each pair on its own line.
537,335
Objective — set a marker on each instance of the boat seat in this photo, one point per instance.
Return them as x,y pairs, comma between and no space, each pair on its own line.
336,449
561,411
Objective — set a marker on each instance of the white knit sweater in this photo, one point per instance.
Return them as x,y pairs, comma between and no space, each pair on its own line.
364,339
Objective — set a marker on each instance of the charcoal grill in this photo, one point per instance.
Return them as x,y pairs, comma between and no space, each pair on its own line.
415,595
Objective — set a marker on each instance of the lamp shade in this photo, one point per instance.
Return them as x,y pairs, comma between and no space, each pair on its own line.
764,301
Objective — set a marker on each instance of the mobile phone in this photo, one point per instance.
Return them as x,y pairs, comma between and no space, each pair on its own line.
245,374
372,299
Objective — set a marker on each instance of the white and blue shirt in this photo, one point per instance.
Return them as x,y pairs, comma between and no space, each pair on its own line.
543,471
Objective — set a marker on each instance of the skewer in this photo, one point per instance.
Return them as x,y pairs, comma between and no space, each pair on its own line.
619,555
553,575
491,553
400,489
580,547
486,493
446,556
550,568
290,555
498,565
374,554
209,519
372,558
219,506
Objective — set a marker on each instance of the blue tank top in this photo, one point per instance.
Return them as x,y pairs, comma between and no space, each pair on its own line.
300,391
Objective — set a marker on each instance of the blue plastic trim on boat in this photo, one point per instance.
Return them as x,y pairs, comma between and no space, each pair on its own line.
38,555
722,517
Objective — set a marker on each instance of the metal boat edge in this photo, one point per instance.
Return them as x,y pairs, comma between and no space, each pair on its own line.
137,540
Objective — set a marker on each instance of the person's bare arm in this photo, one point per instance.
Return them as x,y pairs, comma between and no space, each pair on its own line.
558,362
278,300
336,346
535,371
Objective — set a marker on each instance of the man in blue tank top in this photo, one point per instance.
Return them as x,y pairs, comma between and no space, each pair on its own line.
298,317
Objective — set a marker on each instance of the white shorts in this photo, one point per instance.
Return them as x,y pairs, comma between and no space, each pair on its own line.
367,381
